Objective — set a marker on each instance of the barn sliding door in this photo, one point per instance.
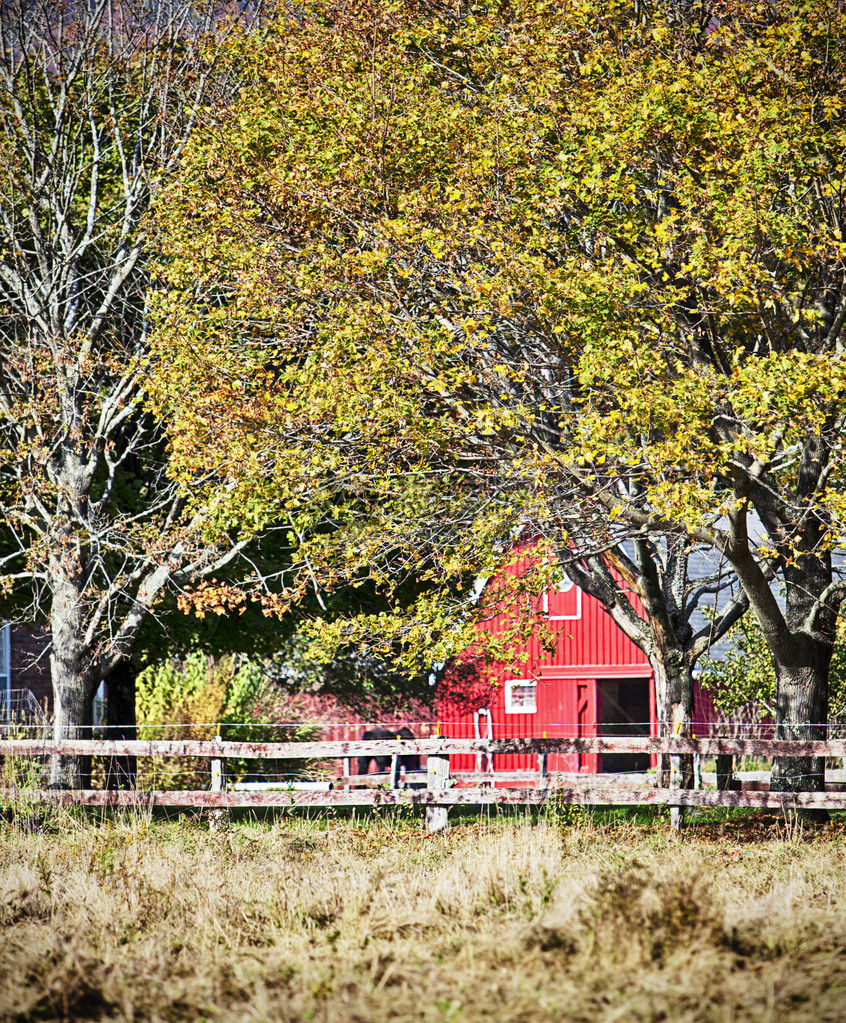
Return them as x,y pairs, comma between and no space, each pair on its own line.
624,710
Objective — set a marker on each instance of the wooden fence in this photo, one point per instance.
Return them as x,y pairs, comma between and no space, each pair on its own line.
439,792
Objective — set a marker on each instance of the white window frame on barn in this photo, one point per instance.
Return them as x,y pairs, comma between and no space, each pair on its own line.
564,586
528,686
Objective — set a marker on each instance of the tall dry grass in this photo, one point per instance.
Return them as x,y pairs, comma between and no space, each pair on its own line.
347,921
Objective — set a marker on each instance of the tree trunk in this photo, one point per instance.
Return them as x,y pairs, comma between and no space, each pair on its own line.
802,713
121,724
72,719
73,690
674,709
802,675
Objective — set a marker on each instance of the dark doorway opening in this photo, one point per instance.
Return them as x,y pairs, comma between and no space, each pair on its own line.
624,711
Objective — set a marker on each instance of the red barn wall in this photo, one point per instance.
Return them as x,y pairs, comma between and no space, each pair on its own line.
576,655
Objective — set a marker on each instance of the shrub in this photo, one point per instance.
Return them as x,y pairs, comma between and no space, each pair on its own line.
200,697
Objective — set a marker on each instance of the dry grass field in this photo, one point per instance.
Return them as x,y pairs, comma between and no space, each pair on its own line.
348,920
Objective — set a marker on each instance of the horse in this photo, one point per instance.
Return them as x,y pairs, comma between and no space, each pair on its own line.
409,762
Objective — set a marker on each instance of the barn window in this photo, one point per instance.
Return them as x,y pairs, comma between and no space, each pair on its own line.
521,696
564,602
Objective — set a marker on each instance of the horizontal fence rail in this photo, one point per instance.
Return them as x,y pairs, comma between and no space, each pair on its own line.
337,749
572,795
433,786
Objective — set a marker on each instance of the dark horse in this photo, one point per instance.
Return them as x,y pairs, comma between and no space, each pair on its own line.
410,762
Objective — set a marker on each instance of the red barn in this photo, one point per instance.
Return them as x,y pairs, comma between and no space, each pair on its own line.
580,676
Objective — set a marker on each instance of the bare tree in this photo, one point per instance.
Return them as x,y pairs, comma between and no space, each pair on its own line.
97,101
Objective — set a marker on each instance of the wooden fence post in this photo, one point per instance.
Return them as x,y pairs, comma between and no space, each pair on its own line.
437,778
218,816
347,771
676,812
395,771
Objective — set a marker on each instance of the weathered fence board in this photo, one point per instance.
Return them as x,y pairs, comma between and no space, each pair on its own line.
575,795
439,795
337,749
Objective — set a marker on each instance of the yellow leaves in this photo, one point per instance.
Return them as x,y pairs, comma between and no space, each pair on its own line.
420,282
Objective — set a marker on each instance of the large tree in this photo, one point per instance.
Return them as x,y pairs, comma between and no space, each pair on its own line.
97,100
709,297
366,263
